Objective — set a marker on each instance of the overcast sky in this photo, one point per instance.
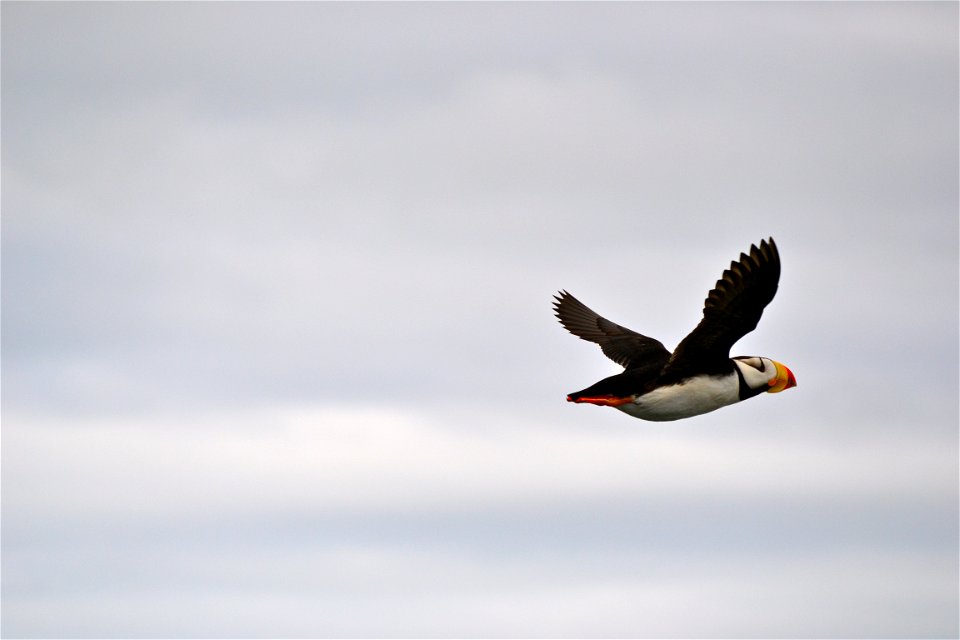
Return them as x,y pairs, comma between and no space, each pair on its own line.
278,352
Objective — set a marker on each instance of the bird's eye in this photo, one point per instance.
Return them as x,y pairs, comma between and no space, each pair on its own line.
756,363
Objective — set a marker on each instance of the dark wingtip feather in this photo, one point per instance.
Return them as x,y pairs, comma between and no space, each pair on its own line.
558,299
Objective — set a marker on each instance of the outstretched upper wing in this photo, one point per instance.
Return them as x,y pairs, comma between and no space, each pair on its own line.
732,310
625,347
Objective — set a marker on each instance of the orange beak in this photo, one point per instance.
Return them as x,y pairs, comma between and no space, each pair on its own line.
784,379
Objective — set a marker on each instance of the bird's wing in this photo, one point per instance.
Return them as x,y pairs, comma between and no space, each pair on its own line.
732,310
627,348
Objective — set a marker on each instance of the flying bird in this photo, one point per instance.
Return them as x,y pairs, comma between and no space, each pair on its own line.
699,376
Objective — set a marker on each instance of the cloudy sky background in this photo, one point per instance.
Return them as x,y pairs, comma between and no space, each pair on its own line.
278,352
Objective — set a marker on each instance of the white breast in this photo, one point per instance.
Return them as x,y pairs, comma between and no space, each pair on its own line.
691,398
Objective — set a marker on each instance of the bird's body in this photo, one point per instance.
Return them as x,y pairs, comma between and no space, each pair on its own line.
699,376
691,397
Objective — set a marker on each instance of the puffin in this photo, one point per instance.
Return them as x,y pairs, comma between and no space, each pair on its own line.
699,376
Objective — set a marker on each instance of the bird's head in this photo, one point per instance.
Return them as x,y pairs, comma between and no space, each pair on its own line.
764,374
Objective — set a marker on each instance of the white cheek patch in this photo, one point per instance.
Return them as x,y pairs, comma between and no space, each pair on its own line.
753,377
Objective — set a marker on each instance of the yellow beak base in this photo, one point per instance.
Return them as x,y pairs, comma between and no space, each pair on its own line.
784,379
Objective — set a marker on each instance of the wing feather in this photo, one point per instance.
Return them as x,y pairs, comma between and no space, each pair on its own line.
627,348
732,310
